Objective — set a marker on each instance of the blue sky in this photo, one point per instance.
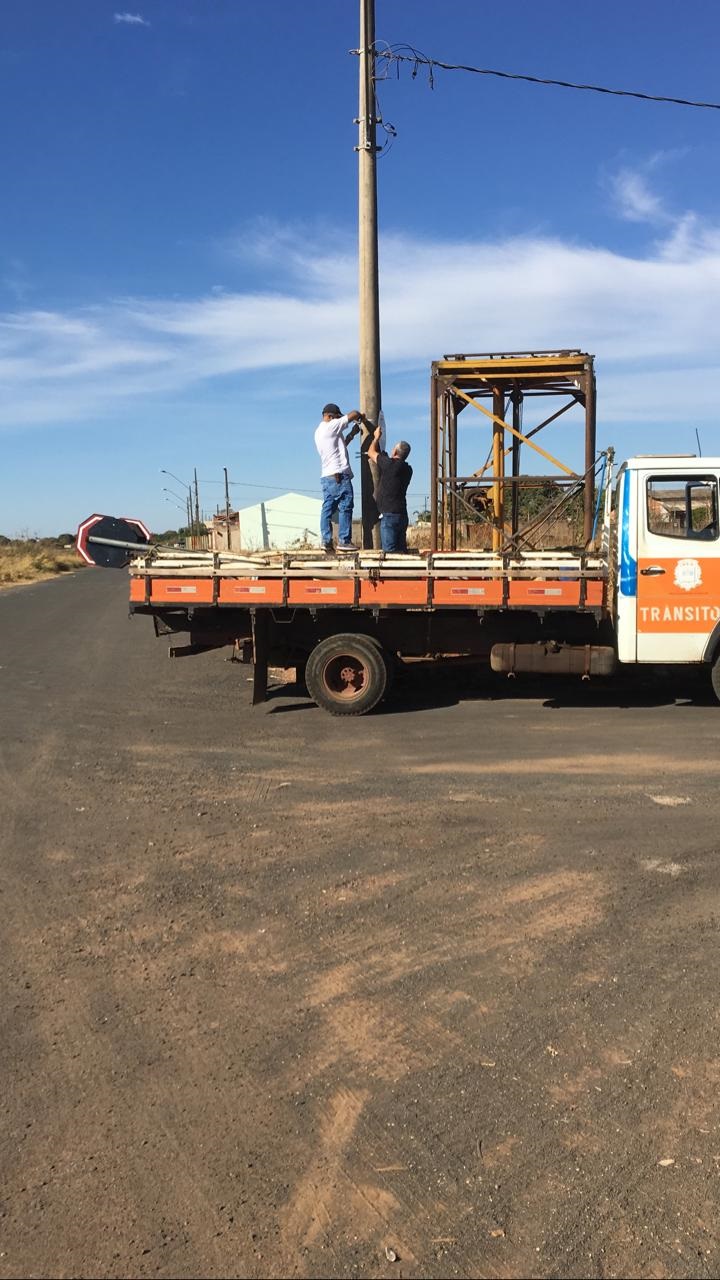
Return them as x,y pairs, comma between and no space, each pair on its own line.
178,243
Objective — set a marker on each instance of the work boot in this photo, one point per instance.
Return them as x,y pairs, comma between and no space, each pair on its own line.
329,549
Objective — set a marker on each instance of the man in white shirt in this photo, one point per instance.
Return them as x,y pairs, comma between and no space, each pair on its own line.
336,475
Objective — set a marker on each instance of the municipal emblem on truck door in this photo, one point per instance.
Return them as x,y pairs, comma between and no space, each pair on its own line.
688,574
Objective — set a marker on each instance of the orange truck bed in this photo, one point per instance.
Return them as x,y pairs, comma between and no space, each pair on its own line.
372,580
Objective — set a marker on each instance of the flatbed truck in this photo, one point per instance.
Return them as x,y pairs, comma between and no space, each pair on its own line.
645,591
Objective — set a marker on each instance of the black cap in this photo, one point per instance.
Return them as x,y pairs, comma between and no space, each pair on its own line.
333,409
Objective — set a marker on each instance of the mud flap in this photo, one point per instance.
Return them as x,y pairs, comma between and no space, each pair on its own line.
260,636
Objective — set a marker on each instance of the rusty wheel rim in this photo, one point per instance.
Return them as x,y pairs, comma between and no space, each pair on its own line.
345,677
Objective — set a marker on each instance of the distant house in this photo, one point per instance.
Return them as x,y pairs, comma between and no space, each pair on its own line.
217,529
293,519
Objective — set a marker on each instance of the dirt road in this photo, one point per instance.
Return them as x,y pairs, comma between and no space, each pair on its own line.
283,993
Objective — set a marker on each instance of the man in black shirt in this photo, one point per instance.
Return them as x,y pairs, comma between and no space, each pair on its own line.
394,477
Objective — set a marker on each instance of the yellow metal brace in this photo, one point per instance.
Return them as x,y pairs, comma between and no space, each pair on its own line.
508,426
506,368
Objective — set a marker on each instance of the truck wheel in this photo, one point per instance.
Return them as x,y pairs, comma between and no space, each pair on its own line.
346,675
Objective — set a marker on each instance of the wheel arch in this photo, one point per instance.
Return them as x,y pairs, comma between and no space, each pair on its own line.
712,648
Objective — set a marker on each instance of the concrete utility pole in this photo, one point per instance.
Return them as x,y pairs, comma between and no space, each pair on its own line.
227,507
370,398
197,505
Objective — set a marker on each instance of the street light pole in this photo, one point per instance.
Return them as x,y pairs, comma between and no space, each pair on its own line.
181,497
369,319
185,485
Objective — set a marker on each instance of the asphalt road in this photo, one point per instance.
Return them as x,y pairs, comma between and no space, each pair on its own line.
429,993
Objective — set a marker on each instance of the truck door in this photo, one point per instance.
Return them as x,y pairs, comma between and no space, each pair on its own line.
678,582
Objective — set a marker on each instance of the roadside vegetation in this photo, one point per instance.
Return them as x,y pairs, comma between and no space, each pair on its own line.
30,559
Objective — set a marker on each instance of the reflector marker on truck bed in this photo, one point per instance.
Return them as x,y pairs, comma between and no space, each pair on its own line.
249,591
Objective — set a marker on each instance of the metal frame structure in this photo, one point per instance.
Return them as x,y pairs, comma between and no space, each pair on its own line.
504,380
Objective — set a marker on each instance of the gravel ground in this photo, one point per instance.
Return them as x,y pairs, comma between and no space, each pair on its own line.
430,993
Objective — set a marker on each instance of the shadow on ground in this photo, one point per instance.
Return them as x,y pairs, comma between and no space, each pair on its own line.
426,686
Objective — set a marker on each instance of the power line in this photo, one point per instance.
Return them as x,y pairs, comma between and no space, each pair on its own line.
281,488
245,484
390,55
292,511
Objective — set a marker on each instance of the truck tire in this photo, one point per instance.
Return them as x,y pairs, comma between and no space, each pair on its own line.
346,675
715,677
390,660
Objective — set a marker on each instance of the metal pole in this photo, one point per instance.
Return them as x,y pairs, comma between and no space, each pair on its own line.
188,516
369,325
453,465
516,402
590,403
197,504
433,463
443,444
129,546
498,489
227,507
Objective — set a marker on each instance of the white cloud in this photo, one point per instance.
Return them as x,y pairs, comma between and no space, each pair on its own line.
634,199
652,320
131,19
682,236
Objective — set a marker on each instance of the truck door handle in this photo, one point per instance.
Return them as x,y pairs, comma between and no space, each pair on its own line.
653,571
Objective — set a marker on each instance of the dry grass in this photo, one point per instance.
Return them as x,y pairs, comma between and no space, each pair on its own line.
29,561
558,535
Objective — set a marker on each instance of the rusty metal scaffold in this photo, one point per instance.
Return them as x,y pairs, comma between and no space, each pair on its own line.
503,382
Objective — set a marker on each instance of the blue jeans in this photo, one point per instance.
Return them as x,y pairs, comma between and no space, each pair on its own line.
392,532
337,497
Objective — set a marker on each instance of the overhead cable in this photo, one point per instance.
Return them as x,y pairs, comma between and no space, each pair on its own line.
390,54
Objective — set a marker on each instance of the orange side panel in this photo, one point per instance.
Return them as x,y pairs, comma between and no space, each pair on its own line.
544,593
318,591
684,599
394,591
463,593
181,591
467,593
250,591
595,594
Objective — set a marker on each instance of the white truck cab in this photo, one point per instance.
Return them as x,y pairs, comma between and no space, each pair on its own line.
668,559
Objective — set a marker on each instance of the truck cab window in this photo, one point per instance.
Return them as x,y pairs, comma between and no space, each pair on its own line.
683,507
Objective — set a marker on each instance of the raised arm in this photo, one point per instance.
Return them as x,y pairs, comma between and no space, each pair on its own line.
357,419
374,448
